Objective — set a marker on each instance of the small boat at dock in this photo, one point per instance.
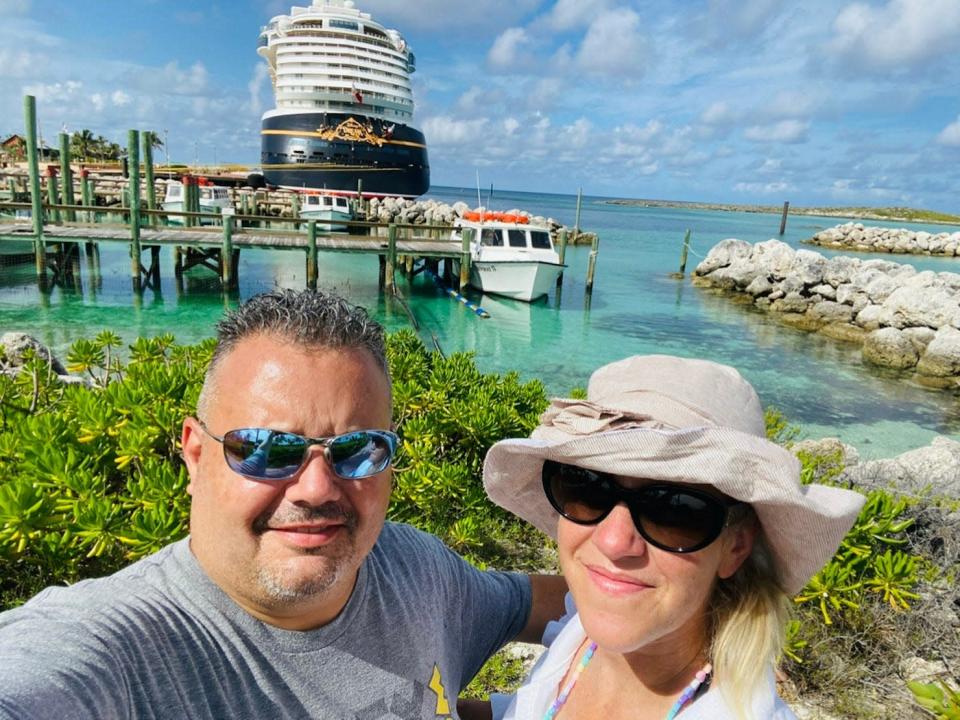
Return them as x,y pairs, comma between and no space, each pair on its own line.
509,256
332,209
214,199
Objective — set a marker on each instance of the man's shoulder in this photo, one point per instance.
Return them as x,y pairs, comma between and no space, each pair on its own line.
140,583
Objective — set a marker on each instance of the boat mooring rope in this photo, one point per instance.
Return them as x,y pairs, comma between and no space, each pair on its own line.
477,310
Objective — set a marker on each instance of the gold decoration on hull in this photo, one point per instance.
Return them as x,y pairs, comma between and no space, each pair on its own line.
352,131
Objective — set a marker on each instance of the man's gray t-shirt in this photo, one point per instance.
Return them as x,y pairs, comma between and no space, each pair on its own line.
160,640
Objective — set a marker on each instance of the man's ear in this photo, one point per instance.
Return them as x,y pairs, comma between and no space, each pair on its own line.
191,444
738,545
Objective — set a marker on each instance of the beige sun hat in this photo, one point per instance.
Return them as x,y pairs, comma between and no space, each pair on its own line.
678,420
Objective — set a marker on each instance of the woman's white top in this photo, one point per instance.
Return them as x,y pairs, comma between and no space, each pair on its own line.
564,637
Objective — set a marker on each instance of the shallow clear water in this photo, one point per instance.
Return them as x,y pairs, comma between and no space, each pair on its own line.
635,308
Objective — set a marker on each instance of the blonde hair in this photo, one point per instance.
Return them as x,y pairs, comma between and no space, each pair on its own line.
748,617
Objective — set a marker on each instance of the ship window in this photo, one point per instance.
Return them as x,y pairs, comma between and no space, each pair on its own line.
491,238
518,238
540,240
343,24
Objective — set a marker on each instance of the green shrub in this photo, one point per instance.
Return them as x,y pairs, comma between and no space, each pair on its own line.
941,700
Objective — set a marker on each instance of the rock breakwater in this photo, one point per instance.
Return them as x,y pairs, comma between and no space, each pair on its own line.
902,318
856,236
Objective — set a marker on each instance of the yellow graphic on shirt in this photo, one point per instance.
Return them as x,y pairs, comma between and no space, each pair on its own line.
436,684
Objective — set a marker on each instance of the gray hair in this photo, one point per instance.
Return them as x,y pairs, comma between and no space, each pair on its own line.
309,318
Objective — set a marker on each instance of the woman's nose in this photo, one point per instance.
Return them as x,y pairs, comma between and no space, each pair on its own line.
616,535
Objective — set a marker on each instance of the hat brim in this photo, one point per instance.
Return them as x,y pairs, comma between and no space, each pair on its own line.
803,524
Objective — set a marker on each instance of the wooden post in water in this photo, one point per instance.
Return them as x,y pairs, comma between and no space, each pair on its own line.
576,222
295,210
465,237
783,219
683,253
391,257
312,254
148,174
592,263
86,196
133,164
562,254
53,197
226,253
36,200
66,176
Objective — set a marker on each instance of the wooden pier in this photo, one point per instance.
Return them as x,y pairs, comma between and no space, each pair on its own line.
57,226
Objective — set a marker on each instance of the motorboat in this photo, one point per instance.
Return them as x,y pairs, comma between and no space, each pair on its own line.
214,199
508,255
332,209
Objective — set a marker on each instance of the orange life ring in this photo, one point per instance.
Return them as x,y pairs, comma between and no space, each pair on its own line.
523,219
471,216
508,218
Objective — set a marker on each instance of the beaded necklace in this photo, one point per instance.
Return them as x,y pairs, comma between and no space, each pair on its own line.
685,697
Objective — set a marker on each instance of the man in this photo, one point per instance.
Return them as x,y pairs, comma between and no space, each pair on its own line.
292,598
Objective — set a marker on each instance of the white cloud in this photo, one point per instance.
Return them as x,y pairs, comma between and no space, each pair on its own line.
259,81
573,14
719,113
510,125
950,135
443,130
59,92
510,50
119,98
785,131
614,45
761,188
901,35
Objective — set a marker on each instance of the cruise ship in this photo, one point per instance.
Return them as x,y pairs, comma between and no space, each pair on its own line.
344,105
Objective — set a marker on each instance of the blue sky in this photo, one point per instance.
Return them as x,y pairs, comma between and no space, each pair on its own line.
741,101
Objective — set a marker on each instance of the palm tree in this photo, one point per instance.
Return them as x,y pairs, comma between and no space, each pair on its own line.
81,143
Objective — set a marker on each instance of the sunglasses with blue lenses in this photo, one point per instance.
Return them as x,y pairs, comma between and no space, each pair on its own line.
671,517
265,454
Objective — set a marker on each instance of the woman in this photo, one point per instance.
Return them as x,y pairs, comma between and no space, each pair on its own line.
682,533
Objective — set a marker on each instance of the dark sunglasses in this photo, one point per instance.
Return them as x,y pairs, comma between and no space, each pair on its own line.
671,517
265,454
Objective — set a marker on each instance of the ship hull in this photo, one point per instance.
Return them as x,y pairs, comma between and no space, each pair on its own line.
340,151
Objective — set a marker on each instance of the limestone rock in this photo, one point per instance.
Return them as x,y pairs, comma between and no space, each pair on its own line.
890,348
942,356
14,344
722,254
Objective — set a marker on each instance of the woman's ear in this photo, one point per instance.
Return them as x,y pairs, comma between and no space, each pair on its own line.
737,546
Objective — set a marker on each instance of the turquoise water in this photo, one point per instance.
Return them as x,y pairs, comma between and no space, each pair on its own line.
635,308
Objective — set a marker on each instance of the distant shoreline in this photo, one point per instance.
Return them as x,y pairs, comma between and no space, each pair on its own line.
894,214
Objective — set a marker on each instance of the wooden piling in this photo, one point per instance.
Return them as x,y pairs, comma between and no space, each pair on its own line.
36,200
312,254
86,196
226,253
66,177
148,175
576,223
683,252
391,257
133,164
592,263
783,219
562,254
53,196
465,237
295,209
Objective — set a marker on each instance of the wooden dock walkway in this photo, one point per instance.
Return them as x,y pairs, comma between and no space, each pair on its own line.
212,237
